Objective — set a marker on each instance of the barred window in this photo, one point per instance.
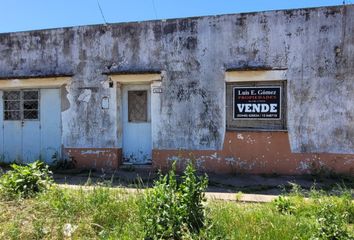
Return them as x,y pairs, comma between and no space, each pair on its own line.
137,106
12,105
21,105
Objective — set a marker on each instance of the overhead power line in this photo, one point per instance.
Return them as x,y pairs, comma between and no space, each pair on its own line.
154,7
99,6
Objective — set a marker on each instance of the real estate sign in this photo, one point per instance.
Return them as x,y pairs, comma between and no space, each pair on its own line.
257,102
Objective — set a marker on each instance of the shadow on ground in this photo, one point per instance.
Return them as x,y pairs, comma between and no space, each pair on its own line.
259,184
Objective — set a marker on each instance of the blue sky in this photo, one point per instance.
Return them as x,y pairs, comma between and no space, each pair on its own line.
23,15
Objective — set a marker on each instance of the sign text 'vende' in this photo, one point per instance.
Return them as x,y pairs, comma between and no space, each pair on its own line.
257,102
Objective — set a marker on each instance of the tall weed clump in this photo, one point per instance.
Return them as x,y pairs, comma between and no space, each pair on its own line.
331,224
25,181
173,209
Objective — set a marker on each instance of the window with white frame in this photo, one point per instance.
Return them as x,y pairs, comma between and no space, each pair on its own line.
21,105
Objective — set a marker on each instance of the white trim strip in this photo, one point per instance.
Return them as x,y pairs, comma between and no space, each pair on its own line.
251,76
135,78
33,83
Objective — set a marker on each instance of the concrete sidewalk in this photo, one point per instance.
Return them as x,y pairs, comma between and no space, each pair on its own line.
251,198
219,196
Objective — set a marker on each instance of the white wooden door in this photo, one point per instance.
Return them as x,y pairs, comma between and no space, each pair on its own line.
137,144
30,125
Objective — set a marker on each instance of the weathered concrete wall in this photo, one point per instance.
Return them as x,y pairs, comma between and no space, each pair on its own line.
97,158
257,153
315,45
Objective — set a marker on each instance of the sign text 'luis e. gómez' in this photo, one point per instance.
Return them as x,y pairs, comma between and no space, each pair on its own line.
257,102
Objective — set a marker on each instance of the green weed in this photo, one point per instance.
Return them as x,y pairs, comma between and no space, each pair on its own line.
284,205
25,181
331,224
173,209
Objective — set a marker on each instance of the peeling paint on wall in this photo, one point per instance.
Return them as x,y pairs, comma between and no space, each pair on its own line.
314,45
85,96
241,157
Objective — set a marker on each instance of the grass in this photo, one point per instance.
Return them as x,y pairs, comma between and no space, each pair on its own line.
257,221
98,213
104,213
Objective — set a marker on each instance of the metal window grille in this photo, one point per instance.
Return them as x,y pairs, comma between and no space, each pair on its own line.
137,106
21,105
12,105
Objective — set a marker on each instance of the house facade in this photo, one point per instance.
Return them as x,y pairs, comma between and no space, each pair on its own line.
267,92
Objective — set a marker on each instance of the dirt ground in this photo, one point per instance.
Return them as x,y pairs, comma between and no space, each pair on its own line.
258,184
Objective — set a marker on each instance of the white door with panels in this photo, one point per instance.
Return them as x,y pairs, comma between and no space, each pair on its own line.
30,121
137,144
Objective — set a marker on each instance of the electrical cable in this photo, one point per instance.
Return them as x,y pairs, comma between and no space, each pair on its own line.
99,6
154,7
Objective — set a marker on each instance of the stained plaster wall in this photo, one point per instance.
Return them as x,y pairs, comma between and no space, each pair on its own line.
316,46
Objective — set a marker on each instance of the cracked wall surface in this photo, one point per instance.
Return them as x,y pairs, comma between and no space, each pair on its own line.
316,46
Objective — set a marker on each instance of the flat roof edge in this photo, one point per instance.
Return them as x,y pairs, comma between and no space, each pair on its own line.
176,19
34,76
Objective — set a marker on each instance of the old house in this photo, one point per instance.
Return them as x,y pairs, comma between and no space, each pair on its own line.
265,92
